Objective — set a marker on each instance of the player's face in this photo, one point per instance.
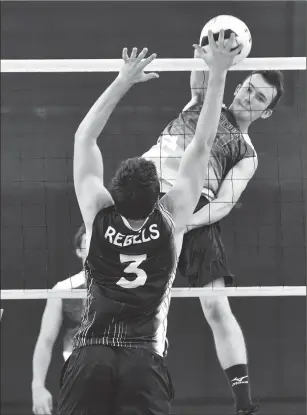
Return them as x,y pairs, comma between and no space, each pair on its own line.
252,99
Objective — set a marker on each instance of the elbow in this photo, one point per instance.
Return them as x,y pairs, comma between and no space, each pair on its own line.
227,207
45,343
79,136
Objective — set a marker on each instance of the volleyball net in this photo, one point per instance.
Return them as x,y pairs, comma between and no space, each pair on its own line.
48,66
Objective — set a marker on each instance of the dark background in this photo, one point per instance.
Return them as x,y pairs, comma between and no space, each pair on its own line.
264,234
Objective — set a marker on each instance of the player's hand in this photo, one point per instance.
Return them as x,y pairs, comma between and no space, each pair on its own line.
133,70
42,401
198,52
220,55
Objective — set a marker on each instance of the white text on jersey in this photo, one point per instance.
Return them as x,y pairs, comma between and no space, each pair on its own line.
146,235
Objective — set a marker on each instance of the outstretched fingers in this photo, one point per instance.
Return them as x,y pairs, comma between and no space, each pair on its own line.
125,54
134,53
142,54
148,60
230,44
236,51
211,40
220,41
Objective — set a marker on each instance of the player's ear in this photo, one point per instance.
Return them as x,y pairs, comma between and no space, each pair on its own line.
266,114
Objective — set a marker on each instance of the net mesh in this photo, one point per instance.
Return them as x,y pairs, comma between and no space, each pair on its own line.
264,234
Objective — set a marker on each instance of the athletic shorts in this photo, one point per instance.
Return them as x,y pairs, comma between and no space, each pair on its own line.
104,380
203,258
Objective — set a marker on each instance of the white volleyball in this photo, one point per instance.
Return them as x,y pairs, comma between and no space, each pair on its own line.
230,24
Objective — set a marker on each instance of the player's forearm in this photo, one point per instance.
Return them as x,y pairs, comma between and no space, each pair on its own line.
41,362
210,113
211,213
97,117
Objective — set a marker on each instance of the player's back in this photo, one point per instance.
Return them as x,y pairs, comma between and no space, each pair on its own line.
129,277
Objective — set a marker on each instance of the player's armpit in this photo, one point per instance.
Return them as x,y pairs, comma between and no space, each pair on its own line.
195,100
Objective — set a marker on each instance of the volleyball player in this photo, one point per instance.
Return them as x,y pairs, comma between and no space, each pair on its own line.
232,164
133,241
58,313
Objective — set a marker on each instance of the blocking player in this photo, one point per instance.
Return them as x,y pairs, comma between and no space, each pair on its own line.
133,242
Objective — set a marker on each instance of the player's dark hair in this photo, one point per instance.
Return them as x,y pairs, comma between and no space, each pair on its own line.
78,237
276,80
135,188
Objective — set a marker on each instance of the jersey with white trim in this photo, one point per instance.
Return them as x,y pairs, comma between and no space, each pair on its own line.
230,146
129,279
72,309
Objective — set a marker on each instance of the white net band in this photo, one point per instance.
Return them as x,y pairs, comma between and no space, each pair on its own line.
281,291
160,65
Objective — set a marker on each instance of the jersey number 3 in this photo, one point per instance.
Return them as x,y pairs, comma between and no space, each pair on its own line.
133,268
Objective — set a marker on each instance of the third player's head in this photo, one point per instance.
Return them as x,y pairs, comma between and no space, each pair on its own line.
135,188
257,96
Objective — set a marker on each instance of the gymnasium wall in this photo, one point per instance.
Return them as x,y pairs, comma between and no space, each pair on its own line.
264,234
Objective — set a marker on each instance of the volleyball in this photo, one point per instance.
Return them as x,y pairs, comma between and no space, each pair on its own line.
230,24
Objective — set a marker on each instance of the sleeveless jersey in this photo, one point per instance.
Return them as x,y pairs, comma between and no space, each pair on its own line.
129,279
72,309
230,147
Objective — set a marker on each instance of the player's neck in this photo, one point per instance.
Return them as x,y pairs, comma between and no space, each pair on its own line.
243,125
135,224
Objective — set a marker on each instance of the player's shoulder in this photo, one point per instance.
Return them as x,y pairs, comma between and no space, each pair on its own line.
74,281
167,208
195,105
108,210
248,141
107,213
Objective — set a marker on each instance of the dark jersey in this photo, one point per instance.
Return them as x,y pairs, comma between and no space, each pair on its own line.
230,146
129,279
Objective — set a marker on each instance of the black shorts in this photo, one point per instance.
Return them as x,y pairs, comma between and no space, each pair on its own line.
103,380
203,258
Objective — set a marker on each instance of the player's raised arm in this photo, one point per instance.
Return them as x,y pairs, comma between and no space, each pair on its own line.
88,165
181,200
198,85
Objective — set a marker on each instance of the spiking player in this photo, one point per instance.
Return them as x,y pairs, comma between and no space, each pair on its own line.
232,164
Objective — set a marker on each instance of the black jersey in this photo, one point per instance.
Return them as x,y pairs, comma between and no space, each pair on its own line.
129,279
